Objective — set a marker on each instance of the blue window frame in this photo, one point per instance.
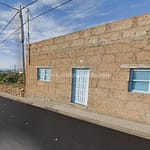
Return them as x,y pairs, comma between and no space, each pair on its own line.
43,74
139,80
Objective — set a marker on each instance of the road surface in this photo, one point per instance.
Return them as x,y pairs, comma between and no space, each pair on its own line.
24,127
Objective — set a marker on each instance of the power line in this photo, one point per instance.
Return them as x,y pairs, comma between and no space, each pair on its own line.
10,35
49,10
41,8
29,4
16,8
15,14
13,19
8,6
8,23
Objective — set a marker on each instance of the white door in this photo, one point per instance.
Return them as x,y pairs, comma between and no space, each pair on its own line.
80,84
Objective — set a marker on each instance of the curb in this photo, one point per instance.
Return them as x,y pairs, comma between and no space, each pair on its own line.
126,126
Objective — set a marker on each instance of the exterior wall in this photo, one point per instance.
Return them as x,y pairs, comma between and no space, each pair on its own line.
10,89
109,51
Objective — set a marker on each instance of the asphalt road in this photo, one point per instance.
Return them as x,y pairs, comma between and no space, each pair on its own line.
24,127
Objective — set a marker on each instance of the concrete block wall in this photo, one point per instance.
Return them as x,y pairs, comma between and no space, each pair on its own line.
11,89
109,51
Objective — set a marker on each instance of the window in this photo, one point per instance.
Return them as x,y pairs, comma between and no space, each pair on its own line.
140,80
43,74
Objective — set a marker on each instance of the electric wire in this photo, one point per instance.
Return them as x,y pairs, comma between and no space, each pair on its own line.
41,14
49,10
8,6
16,8
42,7
14,15
3,41
9,22
29,4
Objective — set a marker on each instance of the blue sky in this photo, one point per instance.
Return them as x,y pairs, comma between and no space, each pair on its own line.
74,16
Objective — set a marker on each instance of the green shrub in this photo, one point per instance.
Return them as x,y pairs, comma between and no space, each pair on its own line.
20,79
2,75
10,78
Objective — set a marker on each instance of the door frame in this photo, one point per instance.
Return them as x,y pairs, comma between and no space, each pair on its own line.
73,101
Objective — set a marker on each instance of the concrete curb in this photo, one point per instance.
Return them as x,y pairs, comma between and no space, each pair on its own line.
130,127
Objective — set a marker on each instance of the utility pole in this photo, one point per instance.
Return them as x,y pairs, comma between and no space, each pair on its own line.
28,20
22,28
15,68
22,45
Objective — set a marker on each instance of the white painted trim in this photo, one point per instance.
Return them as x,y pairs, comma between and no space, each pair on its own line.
83,67
45,67
138,91
140,80
130,66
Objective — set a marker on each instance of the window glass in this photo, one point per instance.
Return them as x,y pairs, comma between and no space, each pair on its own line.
44,74
140,86
141,75
140,80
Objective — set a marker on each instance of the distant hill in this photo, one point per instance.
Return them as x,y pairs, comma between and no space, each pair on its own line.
5,71
10,70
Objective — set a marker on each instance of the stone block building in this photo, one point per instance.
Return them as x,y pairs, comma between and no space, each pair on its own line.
104,69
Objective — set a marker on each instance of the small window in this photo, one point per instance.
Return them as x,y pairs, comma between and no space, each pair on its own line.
43,74
140,80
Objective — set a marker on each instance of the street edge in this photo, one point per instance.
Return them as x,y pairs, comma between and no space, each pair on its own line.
126,126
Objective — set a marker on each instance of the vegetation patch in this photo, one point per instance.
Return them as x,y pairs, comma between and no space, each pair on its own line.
15,79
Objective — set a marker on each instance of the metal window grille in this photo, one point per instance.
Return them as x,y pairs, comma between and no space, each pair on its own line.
44,74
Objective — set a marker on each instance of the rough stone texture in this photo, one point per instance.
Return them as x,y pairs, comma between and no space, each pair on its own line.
103,49
16,91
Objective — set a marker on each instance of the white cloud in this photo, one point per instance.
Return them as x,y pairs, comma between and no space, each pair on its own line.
47,2
48,26
134,6
45,27
5,50
104,13
78,9
39,6
137,5
4,19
